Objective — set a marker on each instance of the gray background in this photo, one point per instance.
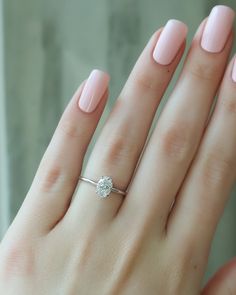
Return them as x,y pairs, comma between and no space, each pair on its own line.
47,48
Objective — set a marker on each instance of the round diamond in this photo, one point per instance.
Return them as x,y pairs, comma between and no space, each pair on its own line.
104,186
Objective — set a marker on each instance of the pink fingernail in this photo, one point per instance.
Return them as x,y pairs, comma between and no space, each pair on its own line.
170,41
93,91
234,70
217,29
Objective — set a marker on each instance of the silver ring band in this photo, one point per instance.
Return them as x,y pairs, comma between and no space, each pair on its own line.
104,186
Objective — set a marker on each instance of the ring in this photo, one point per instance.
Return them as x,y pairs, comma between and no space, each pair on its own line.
104,186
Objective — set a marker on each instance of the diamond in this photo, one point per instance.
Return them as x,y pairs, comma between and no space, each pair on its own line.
104,186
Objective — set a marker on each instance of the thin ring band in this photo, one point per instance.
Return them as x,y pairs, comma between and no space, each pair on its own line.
104,186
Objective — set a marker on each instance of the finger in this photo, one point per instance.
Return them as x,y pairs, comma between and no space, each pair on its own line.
57,176
223,282
178,131
212,174
118,148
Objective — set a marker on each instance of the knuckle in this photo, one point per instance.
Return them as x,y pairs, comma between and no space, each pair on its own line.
146,82
229,105
119,148
68,128
204,72
175,142
18,259
217,168
49,177
53,176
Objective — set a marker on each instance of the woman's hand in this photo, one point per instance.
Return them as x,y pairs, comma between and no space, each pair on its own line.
156,239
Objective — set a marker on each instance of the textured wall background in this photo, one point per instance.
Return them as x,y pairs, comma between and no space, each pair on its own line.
49,46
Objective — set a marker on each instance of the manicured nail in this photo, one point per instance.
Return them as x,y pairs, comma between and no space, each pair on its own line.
217,29
170,41
234,70
93,91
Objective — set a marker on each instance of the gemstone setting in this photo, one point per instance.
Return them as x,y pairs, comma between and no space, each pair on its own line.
104,186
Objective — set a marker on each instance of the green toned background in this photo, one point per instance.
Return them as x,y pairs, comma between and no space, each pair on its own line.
47,48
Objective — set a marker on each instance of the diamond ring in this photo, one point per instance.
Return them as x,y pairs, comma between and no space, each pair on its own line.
104,186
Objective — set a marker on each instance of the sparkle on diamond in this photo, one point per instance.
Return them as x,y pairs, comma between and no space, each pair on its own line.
104,186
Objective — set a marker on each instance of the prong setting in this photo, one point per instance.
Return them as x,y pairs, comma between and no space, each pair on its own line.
104,186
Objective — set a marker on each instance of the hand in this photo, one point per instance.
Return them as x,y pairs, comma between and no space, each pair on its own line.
156,239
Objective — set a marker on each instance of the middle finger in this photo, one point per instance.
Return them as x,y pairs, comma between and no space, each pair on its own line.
180,127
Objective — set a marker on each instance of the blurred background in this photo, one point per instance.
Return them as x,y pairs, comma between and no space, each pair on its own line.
47,48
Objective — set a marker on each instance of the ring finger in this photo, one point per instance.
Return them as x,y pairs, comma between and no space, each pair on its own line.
120,144
180,127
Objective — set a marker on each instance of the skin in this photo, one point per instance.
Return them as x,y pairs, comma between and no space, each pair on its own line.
156,240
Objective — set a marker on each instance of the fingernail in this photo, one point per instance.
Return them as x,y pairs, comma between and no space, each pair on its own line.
217,29
170,41
234,70
93,91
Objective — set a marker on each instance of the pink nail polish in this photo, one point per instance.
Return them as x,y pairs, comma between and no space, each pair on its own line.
217,29
93,91
170,41
234,70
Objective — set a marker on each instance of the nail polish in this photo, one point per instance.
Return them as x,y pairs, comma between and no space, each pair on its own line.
234,70
217,29
93,91
170,41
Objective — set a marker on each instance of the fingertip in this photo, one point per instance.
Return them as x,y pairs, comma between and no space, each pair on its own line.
93,90
170,41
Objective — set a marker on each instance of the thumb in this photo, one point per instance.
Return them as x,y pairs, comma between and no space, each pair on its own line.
223,282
